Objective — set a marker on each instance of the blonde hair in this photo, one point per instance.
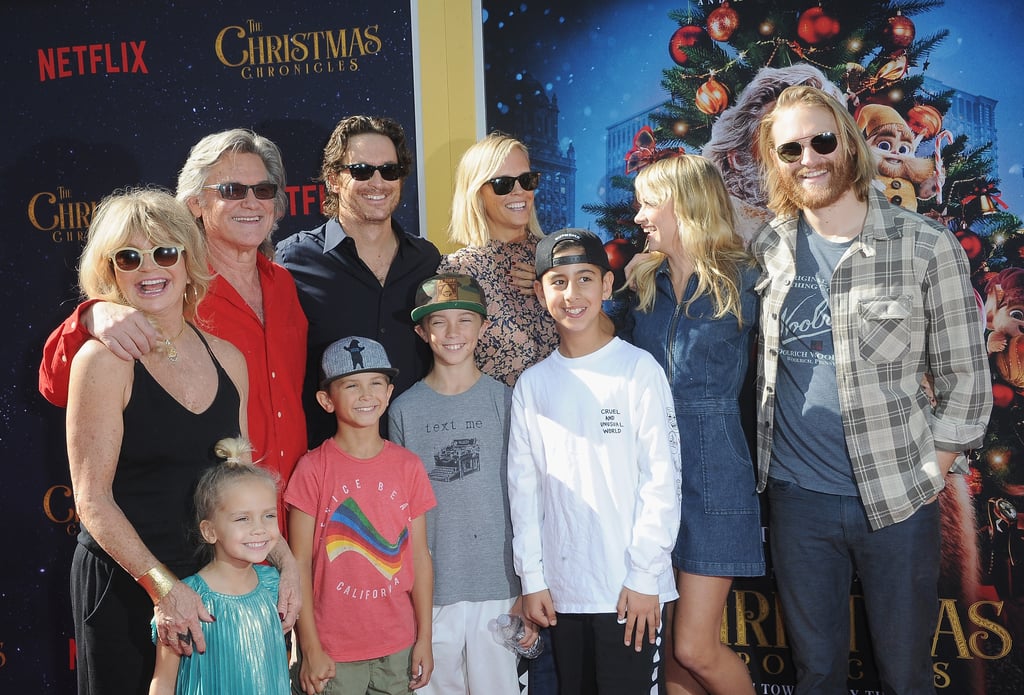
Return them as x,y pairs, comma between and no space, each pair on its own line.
852,146
235,453
480,164
155,215
706,229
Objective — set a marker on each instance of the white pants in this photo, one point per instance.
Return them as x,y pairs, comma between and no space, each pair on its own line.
467,659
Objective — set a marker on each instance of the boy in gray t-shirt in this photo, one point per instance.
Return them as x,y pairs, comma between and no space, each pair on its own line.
457,420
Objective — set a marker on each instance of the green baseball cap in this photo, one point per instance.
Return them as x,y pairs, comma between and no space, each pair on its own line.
449,291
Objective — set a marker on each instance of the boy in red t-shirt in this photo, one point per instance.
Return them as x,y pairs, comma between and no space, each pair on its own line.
356,527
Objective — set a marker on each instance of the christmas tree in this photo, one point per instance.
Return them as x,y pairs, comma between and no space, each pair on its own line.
870,52
870,55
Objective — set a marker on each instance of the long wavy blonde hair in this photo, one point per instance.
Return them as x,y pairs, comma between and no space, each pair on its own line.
852,146
706,228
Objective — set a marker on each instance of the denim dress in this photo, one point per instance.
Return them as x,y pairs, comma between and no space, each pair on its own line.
706,362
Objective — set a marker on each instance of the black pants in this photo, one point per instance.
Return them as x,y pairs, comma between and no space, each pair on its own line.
115,651
591,658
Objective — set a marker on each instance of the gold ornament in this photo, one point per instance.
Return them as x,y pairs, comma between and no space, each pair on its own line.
712,97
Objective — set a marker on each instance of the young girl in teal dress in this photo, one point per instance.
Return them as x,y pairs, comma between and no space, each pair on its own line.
236,511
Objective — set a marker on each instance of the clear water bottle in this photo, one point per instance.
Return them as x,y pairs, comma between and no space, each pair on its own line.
508,630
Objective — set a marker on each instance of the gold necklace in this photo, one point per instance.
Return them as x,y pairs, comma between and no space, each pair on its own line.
168,344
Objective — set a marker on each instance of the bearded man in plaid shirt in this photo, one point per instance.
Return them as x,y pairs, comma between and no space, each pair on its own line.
861,301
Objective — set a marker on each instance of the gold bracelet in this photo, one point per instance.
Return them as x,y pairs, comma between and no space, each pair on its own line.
157,582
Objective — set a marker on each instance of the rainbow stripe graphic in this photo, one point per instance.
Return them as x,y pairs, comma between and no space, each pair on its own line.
348,530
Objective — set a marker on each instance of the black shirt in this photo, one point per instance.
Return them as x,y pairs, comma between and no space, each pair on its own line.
341,297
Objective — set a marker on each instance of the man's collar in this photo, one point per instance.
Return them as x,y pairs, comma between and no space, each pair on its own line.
334,233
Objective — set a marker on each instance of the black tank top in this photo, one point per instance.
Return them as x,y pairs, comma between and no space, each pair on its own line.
164,450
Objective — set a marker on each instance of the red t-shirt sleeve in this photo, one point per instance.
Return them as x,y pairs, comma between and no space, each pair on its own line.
60,348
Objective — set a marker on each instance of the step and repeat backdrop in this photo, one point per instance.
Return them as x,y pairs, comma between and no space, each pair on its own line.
102,95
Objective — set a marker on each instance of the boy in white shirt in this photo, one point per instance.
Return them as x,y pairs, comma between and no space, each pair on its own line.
593,481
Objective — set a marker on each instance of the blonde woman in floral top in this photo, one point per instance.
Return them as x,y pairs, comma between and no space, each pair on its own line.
494,217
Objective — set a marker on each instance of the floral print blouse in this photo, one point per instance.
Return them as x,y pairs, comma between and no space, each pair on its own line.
522,332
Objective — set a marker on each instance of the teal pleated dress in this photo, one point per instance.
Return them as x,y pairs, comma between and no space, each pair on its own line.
245,649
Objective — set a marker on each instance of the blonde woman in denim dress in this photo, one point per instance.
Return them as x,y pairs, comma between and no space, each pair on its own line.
694,308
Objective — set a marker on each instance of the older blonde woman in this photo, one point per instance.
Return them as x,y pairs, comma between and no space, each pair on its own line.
139,434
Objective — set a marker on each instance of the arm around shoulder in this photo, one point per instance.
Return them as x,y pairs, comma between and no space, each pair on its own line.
60,349
123,330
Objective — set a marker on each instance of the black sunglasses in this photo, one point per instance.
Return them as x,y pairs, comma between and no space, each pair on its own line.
237,191
822,143
503,185
130,258
361,171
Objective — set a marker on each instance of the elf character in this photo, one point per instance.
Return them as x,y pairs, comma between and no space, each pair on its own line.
1004,308
903,177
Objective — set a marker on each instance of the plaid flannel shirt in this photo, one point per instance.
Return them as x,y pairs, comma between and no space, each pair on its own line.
902,306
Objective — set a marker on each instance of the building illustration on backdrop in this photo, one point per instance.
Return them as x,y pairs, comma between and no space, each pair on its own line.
526,113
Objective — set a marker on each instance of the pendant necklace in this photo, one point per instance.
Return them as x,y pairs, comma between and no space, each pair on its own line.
168,345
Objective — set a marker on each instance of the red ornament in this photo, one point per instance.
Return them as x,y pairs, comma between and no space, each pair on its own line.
1002,395
899,31
924,120
645,151
619,252
971,243
722,22
712,97
816,27
684,37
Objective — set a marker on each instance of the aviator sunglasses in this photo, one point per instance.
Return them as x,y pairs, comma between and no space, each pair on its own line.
503,185
822,143
130,258
362,171
237,191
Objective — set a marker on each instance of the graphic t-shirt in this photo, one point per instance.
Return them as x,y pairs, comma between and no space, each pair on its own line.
362,557
463,441
809,444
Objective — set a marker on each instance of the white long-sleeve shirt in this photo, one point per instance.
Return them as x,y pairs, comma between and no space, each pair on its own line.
594,484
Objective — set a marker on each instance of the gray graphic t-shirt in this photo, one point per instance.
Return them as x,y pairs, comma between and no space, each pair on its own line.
809,447
463,441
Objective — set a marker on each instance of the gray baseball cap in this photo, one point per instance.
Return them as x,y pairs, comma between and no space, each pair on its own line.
354,355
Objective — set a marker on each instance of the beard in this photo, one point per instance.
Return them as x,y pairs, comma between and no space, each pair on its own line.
840,180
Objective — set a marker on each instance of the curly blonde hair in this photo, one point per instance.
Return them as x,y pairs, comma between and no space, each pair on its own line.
158,217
